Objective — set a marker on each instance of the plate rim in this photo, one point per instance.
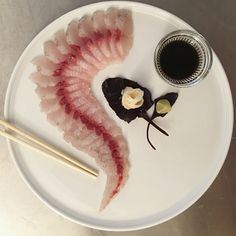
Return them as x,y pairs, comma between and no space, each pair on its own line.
202,188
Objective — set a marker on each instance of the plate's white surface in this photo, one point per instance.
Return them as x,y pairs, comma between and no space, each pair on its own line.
162,183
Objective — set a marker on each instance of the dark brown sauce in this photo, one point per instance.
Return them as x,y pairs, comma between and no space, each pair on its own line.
179,60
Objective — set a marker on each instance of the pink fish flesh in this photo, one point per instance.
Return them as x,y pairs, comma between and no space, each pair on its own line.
64,77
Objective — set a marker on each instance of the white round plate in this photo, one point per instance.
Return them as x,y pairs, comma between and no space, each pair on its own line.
162,183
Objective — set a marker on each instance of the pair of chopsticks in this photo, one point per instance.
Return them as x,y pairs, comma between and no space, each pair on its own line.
29,140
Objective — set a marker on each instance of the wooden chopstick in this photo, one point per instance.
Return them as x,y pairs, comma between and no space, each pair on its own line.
50,150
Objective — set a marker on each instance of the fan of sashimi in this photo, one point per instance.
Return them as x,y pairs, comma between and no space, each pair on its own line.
64,77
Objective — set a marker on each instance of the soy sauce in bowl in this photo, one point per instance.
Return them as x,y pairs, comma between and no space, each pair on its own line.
183,58
179,60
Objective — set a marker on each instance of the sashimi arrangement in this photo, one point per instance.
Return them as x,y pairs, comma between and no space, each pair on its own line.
64,78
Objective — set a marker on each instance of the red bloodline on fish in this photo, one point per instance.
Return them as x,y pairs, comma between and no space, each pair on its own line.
99,131
73,59
112,144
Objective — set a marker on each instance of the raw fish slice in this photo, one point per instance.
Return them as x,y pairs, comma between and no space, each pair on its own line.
85,32
80,102
83,68
43,80
70,132
93,112
94,109
110,126
72,33
105,160
88,140
52,52
99,115
101,32
106,201
80,88
83,148
44,65
57,117
70,100
70,137
80,130
98,21
85,27
63,46
77,93
75,132
74,73
86,66
112,179
49,105
88,57
66,125
112,187
81,65
70,104
110,21
98,145
90,51
80,133
125,24
71,81
82,83
70,72
79,85
83,107
46,93
76,42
